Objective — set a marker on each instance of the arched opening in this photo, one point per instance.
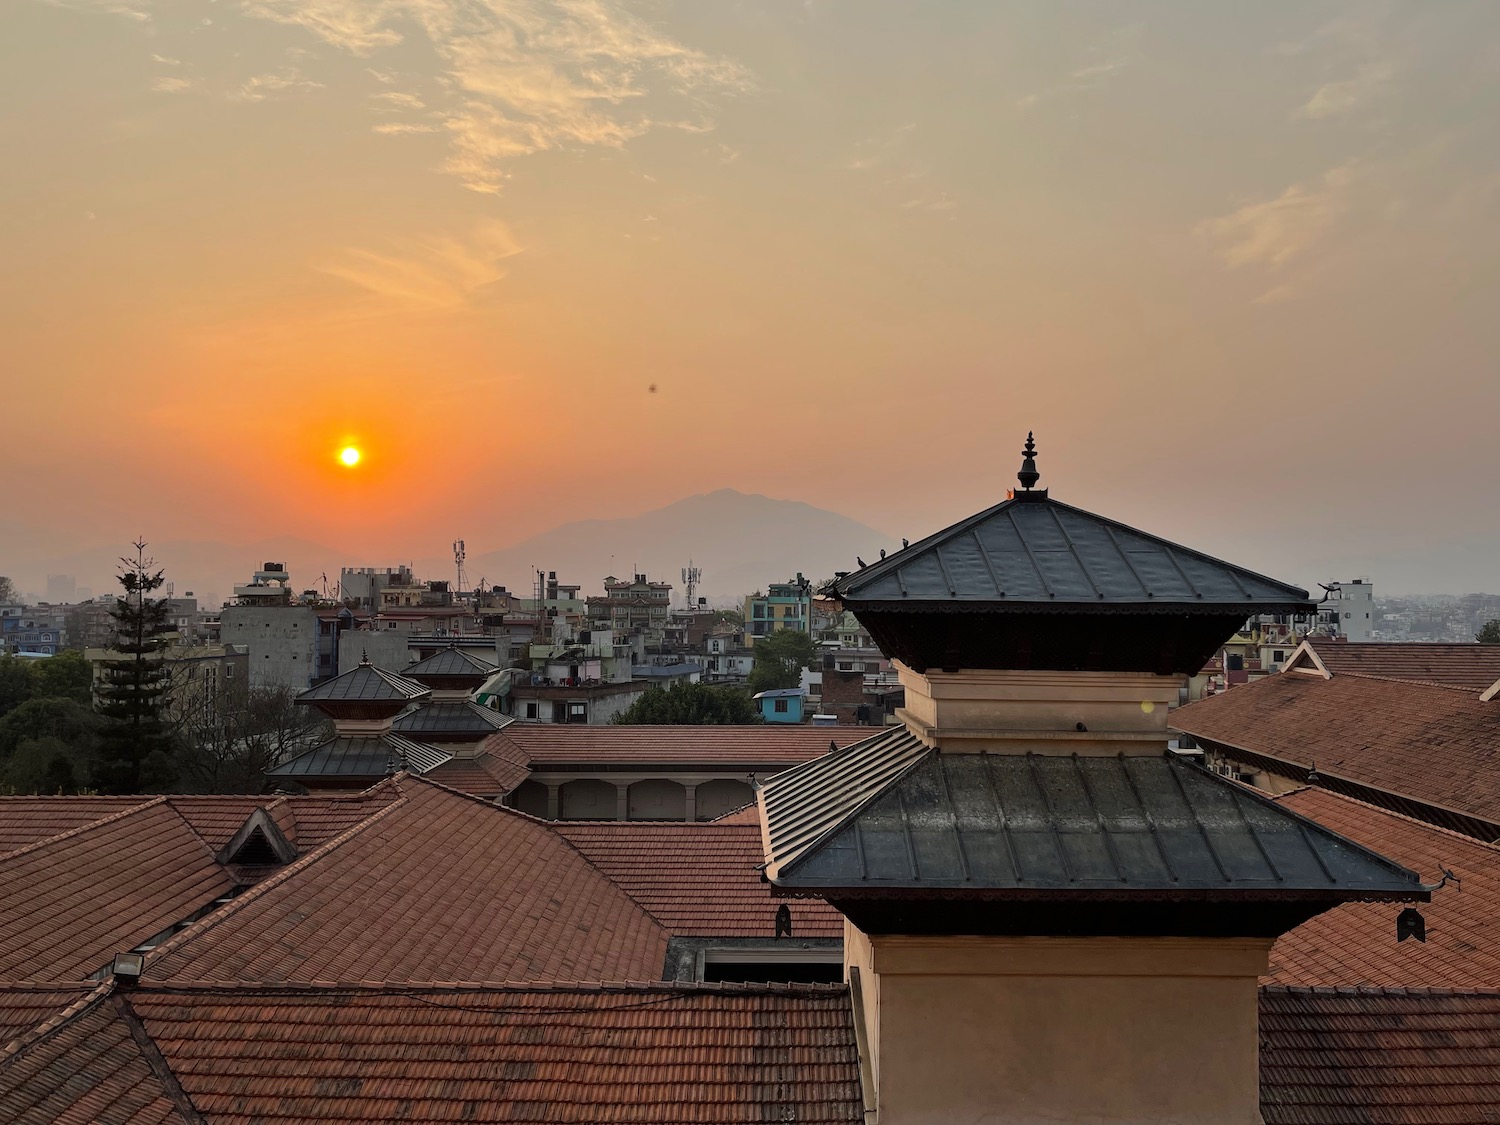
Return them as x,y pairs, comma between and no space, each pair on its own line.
657,798
722,795
587,798
529,797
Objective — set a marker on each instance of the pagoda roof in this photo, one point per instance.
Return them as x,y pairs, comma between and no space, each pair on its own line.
370,755
451,661
891,815
1031,553
447,717
365,683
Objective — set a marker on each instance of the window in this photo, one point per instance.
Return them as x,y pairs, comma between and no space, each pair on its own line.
531,710
872,666
780,706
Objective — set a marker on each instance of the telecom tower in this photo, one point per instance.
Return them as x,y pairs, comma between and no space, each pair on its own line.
691,576
458,562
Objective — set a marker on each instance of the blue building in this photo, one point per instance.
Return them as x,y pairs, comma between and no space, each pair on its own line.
29,631
784,705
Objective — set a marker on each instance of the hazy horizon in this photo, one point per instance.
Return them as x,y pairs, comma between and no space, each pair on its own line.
553,260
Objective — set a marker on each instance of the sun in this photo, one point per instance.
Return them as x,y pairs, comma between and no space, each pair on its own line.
349,456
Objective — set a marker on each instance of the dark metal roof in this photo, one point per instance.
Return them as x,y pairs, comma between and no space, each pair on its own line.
450,718
1032,551
362,756
451,662
1038,824
365,683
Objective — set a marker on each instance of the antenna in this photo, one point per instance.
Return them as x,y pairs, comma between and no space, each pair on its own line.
458,563
691,576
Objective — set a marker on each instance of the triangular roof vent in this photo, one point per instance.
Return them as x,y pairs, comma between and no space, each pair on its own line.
258,843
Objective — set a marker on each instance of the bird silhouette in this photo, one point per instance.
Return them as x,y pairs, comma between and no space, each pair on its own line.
904,544
882,552
860,561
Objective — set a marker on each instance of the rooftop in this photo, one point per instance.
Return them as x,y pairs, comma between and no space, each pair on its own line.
1429,749
1472,666
365,683
451,661
360,756
1355,944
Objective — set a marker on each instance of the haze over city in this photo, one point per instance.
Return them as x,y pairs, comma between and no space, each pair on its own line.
553,261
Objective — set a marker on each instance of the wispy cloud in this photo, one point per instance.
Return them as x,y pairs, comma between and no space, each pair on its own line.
1272,232
1106,61
433,273
279,83
529,75
1335,98
170,85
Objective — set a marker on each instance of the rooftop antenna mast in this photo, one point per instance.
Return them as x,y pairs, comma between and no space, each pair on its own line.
691,576
458,563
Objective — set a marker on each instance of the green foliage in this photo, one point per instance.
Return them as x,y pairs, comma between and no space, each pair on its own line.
779,660
43,765
134,685
7,591
1490,634
64,676
48,746
687,704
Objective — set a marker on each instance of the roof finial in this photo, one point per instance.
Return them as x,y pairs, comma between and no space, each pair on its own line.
364,656
1028,475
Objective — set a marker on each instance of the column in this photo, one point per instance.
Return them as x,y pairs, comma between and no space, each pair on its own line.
552,805
692,803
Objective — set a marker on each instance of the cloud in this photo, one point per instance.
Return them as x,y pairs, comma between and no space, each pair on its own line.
166,61
1335,98
434,273
171,85
529,76
280,83
393,100
1273,232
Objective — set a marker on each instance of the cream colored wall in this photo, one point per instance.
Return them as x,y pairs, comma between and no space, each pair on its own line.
986,709
1026,1031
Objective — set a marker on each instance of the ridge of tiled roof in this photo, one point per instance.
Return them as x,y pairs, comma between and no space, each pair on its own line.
514,897
1355,944
365,683
26,820
90,1067
68,904
450,661
1364,731
265,886
28,1008
1466,666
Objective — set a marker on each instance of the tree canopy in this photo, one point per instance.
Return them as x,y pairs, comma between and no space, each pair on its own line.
1489,634
689,704
779,660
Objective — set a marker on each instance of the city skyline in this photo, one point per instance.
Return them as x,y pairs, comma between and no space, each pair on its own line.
546,262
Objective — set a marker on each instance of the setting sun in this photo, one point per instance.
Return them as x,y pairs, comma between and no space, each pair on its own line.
349,455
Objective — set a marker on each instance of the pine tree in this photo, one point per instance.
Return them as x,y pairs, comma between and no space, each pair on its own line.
136,744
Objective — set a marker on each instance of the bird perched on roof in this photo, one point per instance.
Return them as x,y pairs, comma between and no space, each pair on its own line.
904,544
882,552
860,561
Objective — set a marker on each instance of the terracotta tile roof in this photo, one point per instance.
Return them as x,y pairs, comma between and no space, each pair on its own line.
1472,666
745,814
709,745
87,1070
650,1054
697,880
1434,745
310,822
1355,944
437,886
1373,1057
70,903
24,1006
26,820
499,767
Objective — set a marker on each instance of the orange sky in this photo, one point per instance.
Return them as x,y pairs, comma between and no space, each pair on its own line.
1236,266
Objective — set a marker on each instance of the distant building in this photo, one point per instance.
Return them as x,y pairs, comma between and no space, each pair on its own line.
197,674
362,585
784,705
61,589
37,630
785,605
1349,611
269,586
638,606
538,701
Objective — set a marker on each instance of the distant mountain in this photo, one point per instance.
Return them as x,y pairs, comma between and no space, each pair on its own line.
741,542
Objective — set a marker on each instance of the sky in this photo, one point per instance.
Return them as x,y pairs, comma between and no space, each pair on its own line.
546,260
